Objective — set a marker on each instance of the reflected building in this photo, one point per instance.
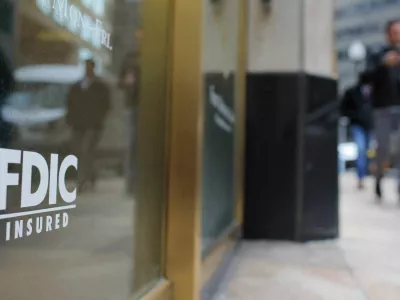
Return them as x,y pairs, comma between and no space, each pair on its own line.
52,41
65,31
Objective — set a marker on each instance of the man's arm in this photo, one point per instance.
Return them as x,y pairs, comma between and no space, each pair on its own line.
380,62
347,107
105,101
375,64
70,105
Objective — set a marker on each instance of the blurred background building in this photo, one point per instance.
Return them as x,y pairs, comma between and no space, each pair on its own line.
360,20
61,39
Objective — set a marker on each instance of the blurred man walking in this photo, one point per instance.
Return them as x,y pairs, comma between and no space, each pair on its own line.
385,68
357,107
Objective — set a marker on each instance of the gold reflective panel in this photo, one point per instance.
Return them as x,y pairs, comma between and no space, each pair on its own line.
205,55
152,144
240,138
83,114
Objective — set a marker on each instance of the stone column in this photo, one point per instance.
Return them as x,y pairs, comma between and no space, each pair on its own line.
291,148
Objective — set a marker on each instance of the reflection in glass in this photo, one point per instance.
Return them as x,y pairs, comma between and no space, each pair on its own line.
70,80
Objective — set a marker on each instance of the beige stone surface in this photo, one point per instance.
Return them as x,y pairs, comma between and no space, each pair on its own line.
364,264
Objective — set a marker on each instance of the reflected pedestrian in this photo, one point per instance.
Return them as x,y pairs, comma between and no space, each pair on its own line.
88,105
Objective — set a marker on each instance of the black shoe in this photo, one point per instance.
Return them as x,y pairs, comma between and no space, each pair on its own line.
378,189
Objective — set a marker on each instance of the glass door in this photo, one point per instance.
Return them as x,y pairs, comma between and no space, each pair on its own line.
82,148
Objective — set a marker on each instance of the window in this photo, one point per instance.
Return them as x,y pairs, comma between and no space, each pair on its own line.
72,123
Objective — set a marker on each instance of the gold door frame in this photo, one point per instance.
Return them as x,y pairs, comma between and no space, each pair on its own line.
241,110
152,151
184,270
186,132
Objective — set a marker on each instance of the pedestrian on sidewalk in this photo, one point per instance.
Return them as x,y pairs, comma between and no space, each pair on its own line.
356,105
385,69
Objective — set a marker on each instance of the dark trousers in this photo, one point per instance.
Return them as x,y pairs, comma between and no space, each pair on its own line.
84,143
387,124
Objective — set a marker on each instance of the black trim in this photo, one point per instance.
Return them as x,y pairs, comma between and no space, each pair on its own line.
291,184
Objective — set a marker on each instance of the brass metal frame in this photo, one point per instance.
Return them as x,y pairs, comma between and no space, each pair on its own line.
182,79
162,291
186,120
213,260
241,109
150,208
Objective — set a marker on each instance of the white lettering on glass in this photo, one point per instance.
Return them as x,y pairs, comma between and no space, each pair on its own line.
52,181
224,117
89,28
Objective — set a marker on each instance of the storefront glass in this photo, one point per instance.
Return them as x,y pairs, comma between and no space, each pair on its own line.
220,51
69,109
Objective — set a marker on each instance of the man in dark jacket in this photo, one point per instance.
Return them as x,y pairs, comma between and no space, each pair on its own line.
88,105
357,107
385,68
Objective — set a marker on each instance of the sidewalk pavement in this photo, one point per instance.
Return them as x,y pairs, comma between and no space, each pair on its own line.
364,264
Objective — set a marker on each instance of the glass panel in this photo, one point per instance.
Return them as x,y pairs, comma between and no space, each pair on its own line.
69,106
220,66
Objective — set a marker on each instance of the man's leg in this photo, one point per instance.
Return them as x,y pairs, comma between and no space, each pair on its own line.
83,163
92,139
130,166
77,145
361,139
396,154
382,134
129,157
